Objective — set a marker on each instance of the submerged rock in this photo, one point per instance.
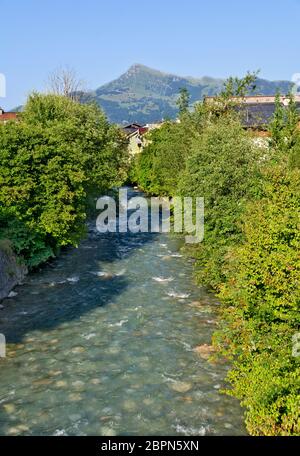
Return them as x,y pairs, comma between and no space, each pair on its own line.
187,399
195,303
9,408
42,382
205,350
106,432
54,373
78,349
78,385
114,350
181,387
13,431
19,429
75,397
61,384
148,401
129,405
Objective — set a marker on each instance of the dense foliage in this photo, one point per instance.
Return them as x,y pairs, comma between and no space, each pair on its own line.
57,157
157,169
221,167
250,253
260,315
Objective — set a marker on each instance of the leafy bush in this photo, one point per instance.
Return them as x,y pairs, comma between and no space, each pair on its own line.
51,162
158,167
222,168
261,302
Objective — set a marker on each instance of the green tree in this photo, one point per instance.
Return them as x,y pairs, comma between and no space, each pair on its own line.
260,310
284,124
52,161
239,87
183,101
222,168
159,166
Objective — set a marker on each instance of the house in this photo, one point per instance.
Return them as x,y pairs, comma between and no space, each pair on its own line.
131,128
6,116
257,110
135,134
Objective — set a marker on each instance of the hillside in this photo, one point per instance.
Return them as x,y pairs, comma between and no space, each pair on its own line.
146,95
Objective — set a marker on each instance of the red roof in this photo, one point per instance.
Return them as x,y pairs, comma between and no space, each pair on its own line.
143,130
8,116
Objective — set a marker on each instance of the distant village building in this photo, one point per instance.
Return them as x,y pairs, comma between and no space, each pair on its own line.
136,135
6,116
257,110
132,128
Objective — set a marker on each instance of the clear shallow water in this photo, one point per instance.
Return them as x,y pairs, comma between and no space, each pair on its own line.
100,343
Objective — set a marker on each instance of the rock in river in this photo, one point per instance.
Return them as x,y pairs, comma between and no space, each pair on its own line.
181,387
205,351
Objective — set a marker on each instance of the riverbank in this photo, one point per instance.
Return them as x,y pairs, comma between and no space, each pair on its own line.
12,270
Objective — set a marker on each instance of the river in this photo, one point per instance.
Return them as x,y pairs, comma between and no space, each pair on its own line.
101,342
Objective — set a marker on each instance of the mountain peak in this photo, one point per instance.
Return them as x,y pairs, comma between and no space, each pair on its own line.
138,68
144,95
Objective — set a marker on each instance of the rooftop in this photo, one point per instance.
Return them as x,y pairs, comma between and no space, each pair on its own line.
5,116
257,110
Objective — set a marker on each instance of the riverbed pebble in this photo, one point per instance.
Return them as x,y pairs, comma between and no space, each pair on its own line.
95,381
114,350
75,397
78,385
205,350
148,401
13,431
181,387
42,382
61,384
54,373
187,398
228,425
108,432
129,405
53,341
9,408
19,429
78,350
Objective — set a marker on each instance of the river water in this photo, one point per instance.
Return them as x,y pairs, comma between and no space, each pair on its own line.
101,342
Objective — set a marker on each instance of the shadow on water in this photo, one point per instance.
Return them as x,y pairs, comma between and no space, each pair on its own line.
72,285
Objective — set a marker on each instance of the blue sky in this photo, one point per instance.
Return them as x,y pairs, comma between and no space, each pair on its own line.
101,39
